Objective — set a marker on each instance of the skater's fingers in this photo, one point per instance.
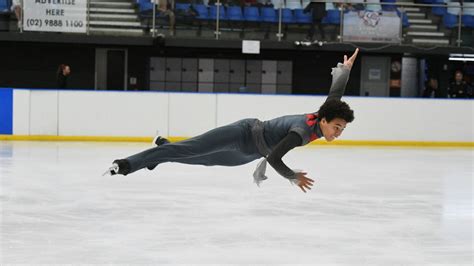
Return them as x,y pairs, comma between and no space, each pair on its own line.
307,186
355,54
310,180
302,188
345,58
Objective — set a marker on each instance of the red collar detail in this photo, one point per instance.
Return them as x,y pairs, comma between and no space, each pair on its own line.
311,120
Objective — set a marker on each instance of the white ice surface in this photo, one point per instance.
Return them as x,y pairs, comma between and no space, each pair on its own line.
370,206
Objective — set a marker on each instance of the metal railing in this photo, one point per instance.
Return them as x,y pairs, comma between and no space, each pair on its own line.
292,29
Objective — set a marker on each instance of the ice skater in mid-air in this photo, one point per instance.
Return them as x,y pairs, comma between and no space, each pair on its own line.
249,139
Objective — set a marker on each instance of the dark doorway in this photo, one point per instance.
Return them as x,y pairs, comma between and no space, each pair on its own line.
115,70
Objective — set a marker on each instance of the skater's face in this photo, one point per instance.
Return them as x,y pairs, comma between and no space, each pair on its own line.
332,130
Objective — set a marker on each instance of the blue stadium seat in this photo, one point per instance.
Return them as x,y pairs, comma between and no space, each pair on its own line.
251,13
303,18
181,6
404,16
234,13
450,21
468,21
389,5
332,17
203,12
468,15
213,13
269,14
145,5
5,6
439,10
287,16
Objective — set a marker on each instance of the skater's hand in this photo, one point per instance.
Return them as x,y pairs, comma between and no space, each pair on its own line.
304,182
349,62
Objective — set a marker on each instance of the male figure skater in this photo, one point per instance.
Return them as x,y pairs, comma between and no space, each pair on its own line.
249,139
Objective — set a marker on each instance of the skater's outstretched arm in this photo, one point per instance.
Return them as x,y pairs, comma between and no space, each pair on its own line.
291,141
340,76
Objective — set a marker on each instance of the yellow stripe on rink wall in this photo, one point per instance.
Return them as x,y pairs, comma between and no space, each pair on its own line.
75,138
314,143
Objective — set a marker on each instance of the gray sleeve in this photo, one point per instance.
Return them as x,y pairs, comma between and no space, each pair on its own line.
340,76
288,143
302,133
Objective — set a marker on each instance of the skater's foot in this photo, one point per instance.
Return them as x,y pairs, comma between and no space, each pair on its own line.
157,141
121,167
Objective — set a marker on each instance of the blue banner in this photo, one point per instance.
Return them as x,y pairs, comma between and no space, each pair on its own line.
6,111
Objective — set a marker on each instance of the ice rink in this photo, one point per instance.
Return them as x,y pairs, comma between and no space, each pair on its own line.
369,206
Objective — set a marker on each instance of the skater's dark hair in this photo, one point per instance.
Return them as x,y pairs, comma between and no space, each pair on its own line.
336,109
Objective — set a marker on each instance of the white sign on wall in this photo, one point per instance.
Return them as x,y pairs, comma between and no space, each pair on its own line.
250,47
372,26
55,15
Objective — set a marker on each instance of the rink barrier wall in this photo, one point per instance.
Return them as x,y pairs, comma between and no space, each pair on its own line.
77,115
175,139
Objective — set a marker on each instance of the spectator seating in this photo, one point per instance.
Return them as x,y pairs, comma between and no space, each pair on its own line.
269,14
438,10
468,15
5,6
182,6
389,5
251,13
333,17
405,21
287,16
145,6
297,15
213,12
234,13
450,18
302,18
203,12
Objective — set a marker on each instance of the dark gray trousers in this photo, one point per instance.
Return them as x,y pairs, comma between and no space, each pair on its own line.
228,145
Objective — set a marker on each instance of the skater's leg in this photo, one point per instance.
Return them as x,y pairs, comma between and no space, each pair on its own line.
234,137
223,158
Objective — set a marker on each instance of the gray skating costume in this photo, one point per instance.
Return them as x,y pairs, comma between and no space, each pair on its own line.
244,141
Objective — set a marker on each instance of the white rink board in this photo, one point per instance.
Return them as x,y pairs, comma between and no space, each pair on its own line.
104,113
99,113
44,112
